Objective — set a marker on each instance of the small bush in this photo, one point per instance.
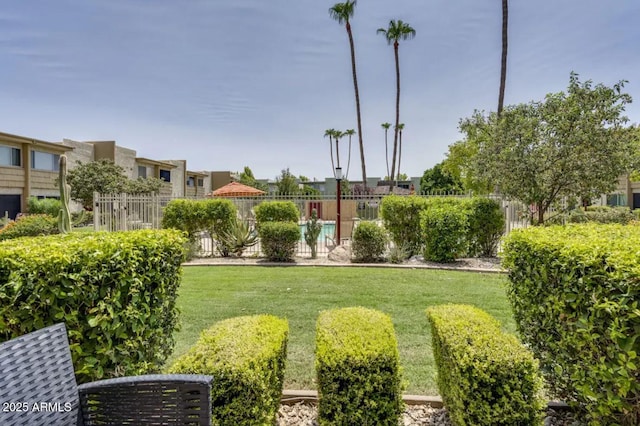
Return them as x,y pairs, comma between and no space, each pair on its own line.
485,377
276,211
279,240
50,206
357,368
246,356
575,297
32,225
369,242
401,216
444,229
116,293
486,226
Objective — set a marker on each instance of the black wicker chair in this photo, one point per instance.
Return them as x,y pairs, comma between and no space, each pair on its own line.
38,387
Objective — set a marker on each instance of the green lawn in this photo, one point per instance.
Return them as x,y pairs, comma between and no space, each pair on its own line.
211,293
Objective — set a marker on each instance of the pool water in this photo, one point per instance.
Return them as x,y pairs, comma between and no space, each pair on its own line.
328,230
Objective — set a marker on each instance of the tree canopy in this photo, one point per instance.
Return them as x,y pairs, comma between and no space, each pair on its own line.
572,144
105,177
437,179
247,178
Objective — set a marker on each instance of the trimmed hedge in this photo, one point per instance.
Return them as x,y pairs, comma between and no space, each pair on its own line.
485,377
358,368
575,293
32,225
401,217
276,211
486,223
116,292
50,206
215,216
369,242
279,240
246,356
444,228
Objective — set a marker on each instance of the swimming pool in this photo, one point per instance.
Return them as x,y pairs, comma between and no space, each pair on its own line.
328,230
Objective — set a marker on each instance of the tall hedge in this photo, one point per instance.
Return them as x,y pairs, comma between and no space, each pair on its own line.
485,377
486,224
246,356
369,242
575,293
116,292
401,217
358,368
279,240
215,216
444,228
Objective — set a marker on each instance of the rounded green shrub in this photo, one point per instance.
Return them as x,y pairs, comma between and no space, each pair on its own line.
32,225
369,242
276,211
279,240
358,368
50,206
444,229
401,216
246,356
575,294
486,226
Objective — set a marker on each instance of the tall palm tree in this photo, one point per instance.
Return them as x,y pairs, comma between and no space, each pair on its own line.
330,133
400,127
342,12
349,132
503,61
386,126
396,31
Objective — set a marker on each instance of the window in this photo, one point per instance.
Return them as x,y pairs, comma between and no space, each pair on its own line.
165,175
9,156
191,181
142,172
45,161
201,182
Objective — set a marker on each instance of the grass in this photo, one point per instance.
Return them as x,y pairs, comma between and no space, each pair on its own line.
212,293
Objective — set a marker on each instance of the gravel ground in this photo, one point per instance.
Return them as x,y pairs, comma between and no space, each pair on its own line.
304,414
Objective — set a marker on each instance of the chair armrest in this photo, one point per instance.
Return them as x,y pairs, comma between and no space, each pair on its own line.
177,399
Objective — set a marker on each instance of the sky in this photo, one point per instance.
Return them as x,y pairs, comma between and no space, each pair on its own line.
229,84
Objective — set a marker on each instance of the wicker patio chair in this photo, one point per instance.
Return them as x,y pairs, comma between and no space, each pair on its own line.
38,387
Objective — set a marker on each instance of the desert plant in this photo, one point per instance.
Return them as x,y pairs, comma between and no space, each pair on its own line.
237,239
64,215
312,232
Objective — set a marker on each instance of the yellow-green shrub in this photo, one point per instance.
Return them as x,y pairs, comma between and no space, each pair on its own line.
357,368
116,292
485,377
369,242
401,217
246,356
32,225
279,240
575,293
276,211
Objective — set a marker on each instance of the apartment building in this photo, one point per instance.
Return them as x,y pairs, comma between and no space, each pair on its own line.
28,168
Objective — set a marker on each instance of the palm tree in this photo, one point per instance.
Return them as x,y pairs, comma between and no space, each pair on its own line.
337,135
503,62
349,132
330,133
341,12
400,127
386,126
396,31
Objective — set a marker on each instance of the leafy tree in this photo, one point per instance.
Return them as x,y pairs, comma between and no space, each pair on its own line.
286,183
103,176
342,12
247,178
460,162
396,31
437,179
569,145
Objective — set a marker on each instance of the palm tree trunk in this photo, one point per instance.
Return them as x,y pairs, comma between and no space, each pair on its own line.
503,63
395,132
399,153
348,159
338,151
386,151
355,88
333,167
